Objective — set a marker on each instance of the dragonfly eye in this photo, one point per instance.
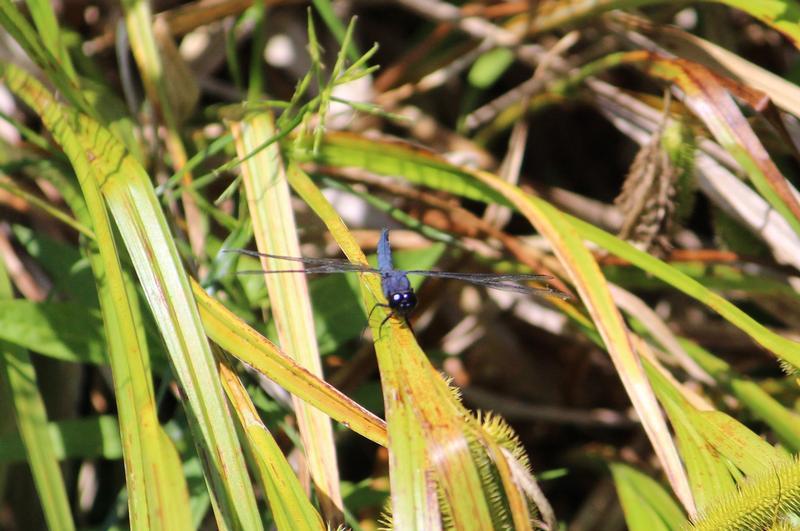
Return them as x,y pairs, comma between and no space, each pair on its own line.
403,301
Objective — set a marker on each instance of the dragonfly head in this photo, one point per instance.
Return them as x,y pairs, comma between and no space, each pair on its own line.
403,302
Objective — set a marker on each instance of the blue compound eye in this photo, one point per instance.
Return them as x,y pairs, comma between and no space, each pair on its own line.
403,301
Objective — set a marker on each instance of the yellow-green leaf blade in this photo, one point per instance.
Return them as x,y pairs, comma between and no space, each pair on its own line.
290,507
136,210
19,381
148,496
269,204
235,336
646,504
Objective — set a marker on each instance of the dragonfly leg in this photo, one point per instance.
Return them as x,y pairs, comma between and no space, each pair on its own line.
380,305
369,318
393,313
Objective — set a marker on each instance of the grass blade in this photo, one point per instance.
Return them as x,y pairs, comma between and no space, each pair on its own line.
290,507
19,380
104,168
275,233
243,342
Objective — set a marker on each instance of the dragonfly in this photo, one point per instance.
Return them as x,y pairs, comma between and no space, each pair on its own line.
396,287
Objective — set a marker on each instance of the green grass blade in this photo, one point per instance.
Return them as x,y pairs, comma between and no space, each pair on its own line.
647,505
594,293
269,205
335,26
246,344
779,14
172,90
20,381
711,442
23,33
783,421
84,438
151,501
288,502
67,331
135,208
782,347
45,20
708,474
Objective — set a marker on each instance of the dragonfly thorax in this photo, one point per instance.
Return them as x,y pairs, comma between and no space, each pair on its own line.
402,302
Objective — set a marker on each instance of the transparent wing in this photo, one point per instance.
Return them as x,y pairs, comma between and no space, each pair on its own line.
312,265
503,282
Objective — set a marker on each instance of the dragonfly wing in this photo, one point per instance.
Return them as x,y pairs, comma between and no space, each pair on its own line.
503,282
312,265
480,277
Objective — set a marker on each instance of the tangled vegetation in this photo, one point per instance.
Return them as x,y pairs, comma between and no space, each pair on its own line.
640,155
